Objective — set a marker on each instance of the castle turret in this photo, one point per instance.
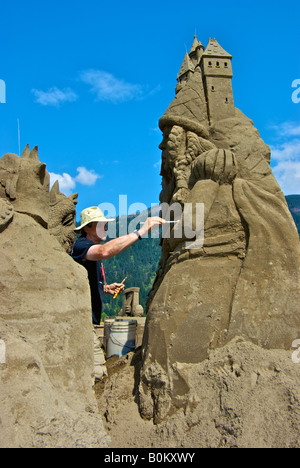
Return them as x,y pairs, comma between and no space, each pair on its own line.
186,69
217,75
196,51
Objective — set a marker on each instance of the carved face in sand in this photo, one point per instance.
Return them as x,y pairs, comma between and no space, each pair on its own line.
62,221
180,147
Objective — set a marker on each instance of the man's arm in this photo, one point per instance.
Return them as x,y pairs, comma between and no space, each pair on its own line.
116,246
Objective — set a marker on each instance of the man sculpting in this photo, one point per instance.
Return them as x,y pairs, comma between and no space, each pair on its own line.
89,251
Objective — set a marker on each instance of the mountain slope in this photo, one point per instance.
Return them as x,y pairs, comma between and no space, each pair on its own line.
293,202
140,261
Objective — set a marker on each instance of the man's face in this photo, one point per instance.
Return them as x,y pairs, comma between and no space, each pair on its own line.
97,231
101,230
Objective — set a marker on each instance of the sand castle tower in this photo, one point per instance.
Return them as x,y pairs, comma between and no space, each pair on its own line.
217,75
214,64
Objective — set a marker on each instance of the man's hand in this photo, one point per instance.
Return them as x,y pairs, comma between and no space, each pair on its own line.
151,223
113,288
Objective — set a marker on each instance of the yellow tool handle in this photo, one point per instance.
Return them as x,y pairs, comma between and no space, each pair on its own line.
118,291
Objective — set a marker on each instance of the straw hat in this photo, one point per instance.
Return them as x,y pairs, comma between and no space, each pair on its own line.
92,215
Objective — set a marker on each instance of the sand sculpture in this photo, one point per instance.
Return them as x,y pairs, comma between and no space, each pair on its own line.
244,280
131,303
132,308
46,375
62,217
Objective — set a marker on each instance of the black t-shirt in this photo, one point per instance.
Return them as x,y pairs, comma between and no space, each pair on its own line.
95,275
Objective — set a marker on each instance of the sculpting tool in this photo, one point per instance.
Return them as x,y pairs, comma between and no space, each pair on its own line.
119,289
166,222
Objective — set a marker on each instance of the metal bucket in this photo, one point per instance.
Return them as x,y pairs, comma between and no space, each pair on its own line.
107,326
121,338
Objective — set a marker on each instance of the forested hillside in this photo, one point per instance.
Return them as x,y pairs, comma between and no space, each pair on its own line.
294,206
140,261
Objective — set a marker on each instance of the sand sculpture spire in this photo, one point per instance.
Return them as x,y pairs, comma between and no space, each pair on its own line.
186,67
33,154
196,51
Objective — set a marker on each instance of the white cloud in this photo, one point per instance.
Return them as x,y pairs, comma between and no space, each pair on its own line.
54,96
86,177
107,87
286,157
287,174
67,183
287,151
104,85
287,129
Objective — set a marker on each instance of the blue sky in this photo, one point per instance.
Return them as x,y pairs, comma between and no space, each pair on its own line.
89,80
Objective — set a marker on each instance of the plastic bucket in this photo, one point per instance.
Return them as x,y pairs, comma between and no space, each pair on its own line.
107,326
122,337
